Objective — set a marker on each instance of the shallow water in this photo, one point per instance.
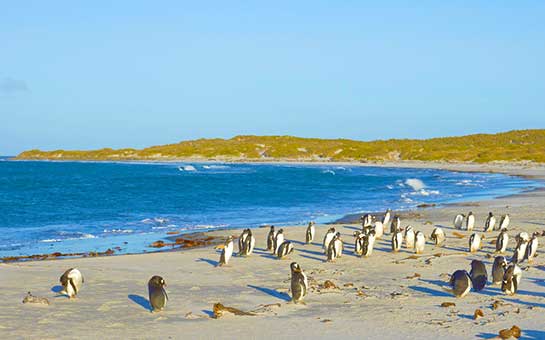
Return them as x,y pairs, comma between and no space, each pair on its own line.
83,206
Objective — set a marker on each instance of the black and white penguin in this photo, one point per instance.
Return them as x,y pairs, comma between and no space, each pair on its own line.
278,240
299,283
395,225
227,251
368,243
379,229
438,236
474,242
478,274
71,282
498,269
397,239
490,222
502,241
335,248
458,221
358,242
386,217
409,237
249,244
242,241
157,295
270,239
460,282
531,249
520,250
470,221
311,231
285,249
366,220
504,222
420,242
511,279
327,239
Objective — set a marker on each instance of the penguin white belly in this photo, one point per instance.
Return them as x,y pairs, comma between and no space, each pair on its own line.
327,240
409,240
379,229
279,241
228,252
420,243
338,248
252,245
470,222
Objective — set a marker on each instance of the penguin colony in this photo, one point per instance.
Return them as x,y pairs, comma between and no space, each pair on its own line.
504,272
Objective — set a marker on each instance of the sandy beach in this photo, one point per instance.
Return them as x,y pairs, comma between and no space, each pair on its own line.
387,296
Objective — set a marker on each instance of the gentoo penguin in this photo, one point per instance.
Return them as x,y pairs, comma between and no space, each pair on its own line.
470,221
335,248
242,241
397,239
249,244
366,220
278,240
311,231
358,242
227,251
420,242
502,241
327,239
438,236
520,250
157,295
71,282
532,247
458,221
299,283
395,225
478,275
368,244
409,237
379,229
504,222
490,222
270,239
498,269
511,279
474,242
460,282
285,249
386,217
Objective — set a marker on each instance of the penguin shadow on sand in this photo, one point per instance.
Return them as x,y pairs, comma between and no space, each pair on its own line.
140,300
209,261
320,259
528,334
272,292
430,291
57,290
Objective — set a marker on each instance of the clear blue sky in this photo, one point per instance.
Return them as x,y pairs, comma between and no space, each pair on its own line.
81,75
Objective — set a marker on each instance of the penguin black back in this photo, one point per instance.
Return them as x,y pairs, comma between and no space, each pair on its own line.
478,275
157,295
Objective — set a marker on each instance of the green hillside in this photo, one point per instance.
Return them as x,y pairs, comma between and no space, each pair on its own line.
521,145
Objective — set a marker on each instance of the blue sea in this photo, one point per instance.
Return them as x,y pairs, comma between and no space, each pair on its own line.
64,207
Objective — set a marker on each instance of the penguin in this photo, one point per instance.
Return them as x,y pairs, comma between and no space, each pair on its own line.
368,244
470,221
490,222
395,225
386,217
409,237
502,241
242,241
71,282
504,222
379,229
157,295
278,240
299,283
285,249
498,269
397,239
249,244
311,231
270,239
335,248
226,252
438,236
458,221
358,242
366,220
478,275
327,239
420,242
460,282
520,250
511,279
531,249
474,242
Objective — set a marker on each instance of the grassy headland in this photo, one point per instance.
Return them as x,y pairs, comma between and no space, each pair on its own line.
512,146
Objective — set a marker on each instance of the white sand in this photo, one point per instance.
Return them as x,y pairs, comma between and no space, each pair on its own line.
113,301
